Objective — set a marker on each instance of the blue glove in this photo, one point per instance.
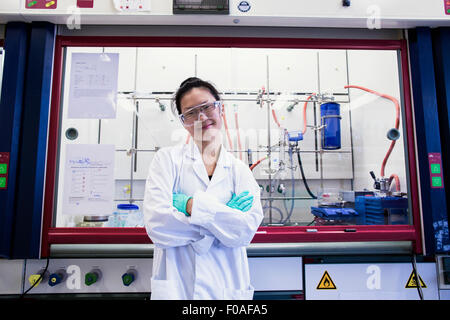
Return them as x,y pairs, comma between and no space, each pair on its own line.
180,201
242,202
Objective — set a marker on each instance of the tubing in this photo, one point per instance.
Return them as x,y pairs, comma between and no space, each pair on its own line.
397,181
277,209
397,119
238,135
274,115
226,128
257,162
383,165
394,100
303,176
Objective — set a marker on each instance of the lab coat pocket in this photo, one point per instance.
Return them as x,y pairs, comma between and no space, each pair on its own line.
238,294
164,290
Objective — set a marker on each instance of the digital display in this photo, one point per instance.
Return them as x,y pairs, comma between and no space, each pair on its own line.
201,7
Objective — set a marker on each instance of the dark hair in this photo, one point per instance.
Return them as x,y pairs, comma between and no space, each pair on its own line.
190,83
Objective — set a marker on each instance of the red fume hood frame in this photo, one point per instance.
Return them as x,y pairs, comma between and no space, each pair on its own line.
52,235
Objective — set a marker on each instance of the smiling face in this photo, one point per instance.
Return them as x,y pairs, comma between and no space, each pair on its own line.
206,127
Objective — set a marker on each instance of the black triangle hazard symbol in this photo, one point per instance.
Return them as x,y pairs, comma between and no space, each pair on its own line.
326,283
412,282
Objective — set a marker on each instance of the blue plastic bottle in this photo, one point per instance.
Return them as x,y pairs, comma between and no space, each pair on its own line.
126,211
331,119
123,214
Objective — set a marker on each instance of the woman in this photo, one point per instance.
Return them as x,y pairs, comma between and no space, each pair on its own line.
202,207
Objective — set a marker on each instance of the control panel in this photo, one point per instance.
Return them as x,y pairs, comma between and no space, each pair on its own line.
88,276
111,275
4,164
437,178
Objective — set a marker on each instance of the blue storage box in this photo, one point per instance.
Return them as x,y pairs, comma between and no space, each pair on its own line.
382,210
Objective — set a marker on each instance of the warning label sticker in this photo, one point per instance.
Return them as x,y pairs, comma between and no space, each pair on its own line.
326,283
412,281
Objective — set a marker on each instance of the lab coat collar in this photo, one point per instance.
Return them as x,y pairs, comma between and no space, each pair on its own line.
193,152
223,162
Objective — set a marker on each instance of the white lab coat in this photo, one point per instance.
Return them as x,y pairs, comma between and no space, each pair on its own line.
203,256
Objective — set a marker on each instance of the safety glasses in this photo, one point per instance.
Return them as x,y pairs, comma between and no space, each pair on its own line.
208,109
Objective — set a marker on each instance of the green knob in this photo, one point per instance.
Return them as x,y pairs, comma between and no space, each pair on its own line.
128,278
90,278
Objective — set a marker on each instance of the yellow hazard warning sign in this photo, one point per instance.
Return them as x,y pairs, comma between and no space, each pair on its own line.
326,282
412,281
